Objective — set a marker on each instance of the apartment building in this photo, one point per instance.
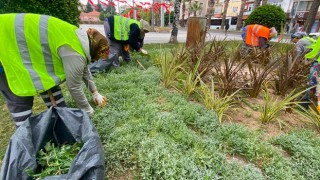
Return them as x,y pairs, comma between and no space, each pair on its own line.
296,11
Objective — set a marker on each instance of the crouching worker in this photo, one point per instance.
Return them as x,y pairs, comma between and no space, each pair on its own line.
315,54
257,36
37,54
307,47
123,34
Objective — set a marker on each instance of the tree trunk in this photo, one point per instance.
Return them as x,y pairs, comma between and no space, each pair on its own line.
239,20
256,4
210,12
174,32
264,2
311,16
226,4
183,13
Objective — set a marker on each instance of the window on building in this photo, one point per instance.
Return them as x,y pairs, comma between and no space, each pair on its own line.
304,5
218,9
250,7
276,3
234,9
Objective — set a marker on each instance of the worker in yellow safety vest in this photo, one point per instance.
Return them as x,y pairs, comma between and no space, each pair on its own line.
38,53
124,34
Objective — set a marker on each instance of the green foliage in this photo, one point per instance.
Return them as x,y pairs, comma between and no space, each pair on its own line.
100,9
213,101
238,140
310,115
271,109
66,10
303,147
168,17
190,80
269,16
54,160
156,133
88,7
110,11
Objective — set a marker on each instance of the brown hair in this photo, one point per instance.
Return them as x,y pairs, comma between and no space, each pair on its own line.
98,43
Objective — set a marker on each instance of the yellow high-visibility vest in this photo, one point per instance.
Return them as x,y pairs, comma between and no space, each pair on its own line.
29,51
122,27
315,46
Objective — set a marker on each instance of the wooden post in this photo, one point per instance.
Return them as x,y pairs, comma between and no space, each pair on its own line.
196,31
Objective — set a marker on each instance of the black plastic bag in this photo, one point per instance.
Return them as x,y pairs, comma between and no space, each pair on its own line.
101,65
60,125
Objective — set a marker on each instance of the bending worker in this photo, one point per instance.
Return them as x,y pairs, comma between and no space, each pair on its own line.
39,52
314,77
123,34
256,35
302,43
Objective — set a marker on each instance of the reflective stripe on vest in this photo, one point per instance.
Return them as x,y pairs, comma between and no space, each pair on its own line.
31,43
254,32
122,27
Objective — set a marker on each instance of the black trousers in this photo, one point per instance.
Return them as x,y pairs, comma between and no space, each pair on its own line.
20,107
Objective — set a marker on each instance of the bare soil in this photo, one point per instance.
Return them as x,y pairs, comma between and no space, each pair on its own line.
249,117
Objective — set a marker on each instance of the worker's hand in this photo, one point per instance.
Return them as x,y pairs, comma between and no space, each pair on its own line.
100,100
144,51
126,47
318,108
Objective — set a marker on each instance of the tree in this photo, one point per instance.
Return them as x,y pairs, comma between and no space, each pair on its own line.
268,15
111,9
66,10
174,32
183,12
226,4
100,9
210,12
195,7
312,15
88,8
168,20
239,20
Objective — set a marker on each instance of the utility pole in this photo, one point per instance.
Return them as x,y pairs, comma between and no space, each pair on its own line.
152,16
134,11
162,14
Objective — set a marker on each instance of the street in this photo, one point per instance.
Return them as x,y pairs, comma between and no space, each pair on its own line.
164,37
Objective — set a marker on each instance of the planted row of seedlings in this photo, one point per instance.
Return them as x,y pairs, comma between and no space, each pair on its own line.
217,75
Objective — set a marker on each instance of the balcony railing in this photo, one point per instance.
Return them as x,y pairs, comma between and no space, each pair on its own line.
247,13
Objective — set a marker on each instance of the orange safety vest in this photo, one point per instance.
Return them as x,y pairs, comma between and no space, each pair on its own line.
254,32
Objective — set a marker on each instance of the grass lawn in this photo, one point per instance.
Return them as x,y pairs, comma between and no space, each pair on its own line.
150,132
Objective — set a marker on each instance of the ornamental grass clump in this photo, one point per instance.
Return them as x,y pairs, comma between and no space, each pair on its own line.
170,70
310,115
259,75
290,73
54,160
191,80
213,101
270,111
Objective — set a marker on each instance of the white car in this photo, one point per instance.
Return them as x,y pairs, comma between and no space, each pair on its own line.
314,35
